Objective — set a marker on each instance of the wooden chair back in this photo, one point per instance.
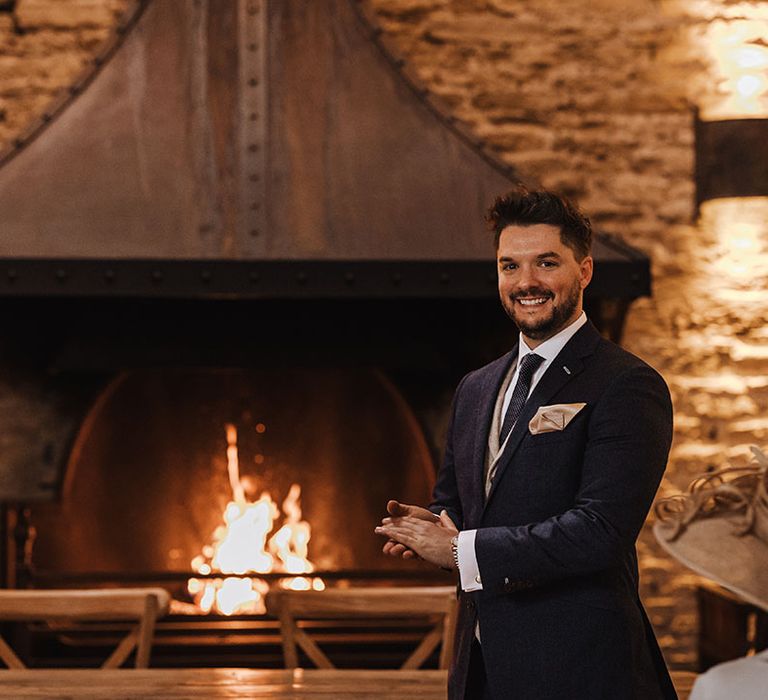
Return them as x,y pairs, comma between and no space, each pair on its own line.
144,605
355,603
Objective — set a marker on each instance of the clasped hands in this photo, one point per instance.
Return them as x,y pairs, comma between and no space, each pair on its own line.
414,532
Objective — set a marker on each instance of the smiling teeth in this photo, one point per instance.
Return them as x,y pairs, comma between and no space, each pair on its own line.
532,302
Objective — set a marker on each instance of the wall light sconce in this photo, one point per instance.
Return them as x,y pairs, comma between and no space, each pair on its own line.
731,121
731,158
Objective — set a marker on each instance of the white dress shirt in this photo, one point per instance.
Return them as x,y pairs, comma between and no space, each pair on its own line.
469,573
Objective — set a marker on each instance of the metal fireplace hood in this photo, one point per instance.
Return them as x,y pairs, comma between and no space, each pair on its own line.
256,148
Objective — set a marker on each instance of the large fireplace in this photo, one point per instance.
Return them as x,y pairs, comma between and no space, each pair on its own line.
243,258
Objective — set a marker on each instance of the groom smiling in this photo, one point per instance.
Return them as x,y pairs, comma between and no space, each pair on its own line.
552,459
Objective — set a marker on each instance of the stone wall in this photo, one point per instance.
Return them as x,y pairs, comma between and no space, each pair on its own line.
596,100
44,46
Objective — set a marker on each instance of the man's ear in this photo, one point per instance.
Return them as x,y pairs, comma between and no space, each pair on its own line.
586,267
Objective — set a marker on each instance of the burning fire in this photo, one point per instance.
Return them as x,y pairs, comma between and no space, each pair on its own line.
240,546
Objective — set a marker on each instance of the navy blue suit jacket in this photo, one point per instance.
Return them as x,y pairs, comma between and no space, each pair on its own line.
559,611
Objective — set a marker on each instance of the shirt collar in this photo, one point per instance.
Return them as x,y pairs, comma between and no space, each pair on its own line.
551,347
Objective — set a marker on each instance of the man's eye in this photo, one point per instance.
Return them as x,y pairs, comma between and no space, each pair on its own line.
548,263
509,266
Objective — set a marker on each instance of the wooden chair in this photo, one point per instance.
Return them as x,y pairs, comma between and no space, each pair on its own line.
144,605
356,603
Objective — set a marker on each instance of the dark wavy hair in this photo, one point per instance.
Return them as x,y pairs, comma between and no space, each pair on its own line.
523,207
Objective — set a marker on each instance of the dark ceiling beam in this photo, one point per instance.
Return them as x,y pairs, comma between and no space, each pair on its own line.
621,274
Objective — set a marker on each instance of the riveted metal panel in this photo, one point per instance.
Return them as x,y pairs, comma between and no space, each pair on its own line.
250,131
253,114
620,273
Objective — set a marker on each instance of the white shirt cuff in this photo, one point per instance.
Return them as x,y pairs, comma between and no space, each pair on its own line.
469,573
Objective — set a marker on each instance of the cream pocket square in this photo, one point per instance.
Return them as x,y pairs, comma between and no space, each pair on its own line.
555,417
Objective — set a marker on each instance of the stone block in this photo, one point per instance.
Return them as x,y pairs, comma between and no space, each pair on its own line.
66,14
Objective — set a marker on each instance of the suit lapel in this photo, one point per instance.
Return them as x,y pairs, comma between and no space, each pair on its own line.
568,363
487,402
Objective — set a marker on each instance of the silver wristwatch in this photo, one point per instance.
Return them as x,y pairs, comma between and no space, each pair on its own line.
455,550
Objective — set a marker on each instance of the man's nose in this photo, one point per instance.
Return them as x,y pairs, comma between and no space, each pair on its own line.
528,277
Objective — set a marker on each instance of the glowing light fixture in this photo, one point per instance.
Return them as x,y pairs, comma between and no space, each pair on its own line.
737,54
731,125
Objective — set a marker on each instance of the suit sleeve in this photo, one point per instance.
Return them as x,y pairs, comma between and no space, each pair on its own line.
445,495
629,435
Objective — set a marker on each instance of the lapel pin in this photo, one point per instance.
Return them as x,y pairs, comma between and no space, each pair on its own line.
567,371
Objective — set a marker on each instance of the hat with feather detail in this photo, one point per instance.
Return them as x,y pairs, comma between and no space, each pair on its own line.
719,529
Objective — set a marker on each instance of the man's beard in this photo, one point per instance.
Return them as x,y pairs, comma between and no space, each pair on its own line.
546,327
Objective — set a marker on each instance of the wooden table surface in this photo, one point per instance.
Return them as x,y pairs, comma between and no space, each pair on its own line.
197,683
201,683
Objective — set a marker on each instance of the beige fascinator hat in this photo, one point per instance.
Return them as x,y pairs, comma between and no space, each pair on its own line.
720,528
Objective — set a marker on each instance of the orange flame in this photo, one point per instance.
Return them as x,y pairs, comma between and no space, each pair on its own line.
239,546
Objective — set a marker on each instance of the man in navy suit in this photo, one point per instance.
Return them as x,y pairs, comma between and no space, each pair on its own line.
553,456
